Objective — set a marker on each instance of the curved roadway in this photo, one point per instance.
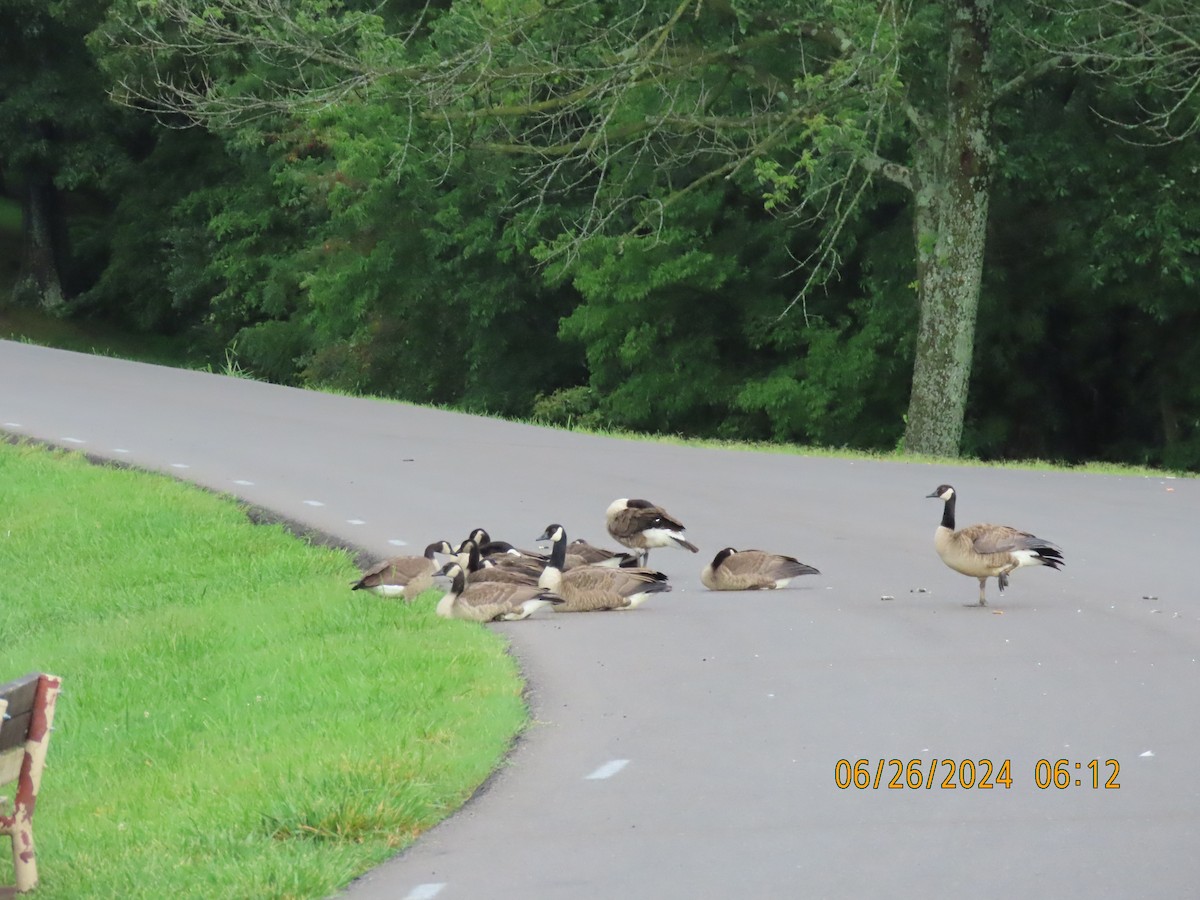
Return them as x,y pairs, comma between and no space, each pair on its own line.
689,749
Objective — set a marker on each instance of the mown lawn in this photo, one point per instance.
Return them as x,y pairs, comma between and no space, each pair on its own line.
235,722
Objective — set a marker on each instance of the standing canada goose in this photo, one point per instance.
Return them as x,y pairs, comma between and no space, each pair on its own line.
403,576
983,551
751,570
490,601
593,588
640,525
591,555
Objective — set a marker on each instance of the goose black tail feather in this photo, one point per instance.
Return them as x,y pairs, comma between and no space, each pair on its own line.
1050,556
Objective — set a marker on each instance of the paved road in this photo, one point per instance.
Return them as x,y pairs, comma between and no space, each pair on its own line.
688,749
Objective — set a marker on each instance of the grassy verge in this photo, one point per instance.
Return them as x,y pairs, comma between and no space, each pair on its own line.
235,722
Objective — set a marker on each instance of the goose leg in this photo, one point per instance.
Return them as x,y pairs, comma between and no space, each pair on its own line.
982,598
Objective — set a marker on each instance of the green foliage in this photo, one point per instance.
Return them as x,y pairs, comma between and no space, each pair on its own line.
235,721
604,219
1084,345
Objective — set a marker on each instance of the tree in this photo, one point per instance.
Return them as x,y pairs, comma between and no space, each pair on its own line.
634,108
58,133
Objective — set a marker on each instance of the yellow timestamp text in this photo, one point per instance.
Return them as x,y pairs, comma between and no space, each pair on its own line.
971,774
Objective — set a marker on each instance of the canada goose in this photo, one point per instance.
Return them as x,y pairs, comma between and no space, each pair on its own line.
511,561
751,570
982,551
593,588
503,549
640,525
480,570
591,555
490,601
406,576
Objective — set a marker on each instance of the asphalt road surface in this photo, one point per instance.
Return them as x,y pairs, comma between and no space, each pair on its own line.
692,748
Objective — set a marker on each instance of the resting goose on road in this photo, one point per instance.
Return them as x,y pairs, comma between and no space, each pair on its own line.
509,560
751,570
500,550
593,588
403,576
591,555
479,570
985,551
640,525
490,601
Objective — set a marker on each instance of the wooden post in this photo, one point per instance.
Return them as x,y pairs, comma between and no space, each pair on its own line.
19,825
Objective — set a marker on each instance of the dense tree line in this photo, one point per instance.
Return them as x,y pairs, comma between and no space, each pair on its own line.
806,221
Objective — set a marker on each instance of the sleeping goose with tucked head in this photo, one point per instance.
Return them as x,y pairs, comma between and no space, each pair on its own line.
490,601
403,576
987,551
751,570
640,525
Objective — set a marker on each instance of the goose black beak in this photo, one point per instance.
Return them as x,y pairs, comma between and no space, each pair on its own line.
934,496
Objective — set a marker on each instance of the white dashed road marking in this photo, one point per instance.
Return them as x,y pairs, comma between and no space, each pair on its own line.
609,769
13,425
425,891
355,522
180,466
73,441
243,482
119,450
313,503
396,542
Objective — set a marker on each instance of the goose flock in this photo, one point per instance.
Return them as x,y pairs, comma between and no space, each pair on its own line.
492,580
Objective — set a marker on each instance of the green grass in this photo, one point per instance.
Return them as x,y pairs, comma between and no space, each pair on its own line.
235,721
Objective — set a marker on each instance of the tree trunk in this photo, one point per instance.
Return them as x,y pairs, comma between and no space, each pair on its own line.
951,182
39,278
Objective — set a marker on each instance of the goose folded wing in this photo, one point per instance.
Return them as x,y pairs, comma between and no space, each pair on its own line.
1003,539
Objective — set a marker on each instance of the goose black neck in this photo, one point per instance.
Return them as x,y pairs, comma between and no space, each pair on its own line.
948,513
558,552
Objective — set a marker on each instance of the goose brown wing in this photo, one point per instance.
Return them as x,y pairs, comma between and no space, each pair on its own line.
642,514
759,562
1002,539
622,581
656,517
